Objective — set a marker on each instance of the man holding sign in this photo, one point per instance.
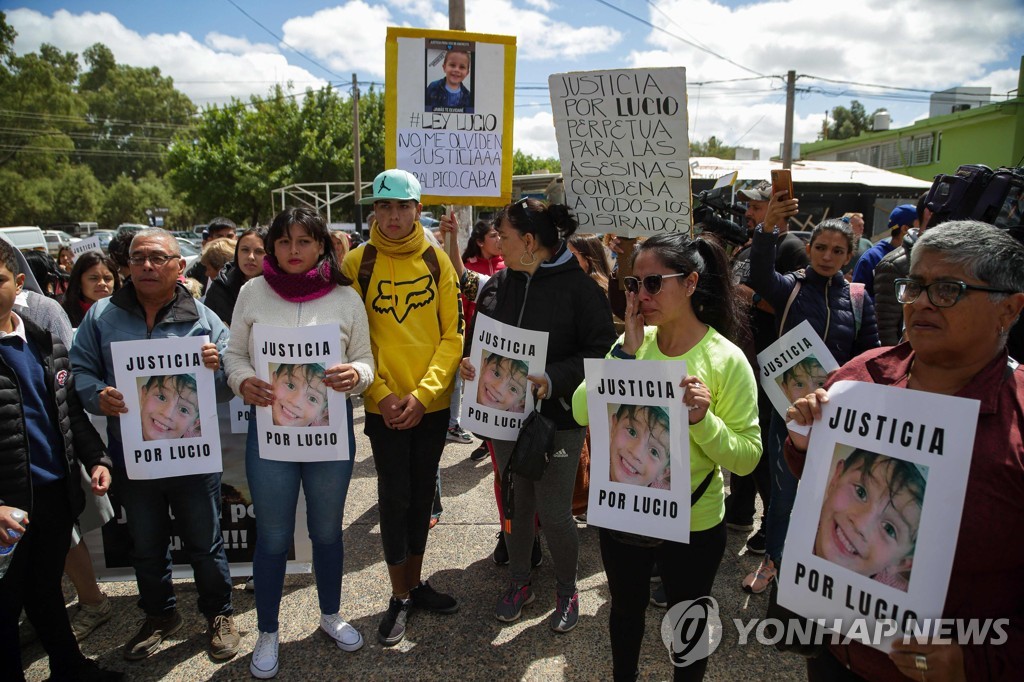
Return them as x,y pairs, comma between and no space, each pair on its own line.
151,306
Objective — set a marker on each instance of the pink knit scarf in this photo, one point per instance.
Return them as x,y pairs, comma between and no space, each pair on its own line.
300,287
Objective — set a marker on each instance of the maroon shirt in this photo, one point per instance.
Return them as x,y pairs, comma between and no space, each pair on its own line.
987,580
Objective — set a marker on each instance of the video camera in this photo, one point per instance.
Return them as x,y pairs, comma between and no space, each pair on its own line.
976,192
714,212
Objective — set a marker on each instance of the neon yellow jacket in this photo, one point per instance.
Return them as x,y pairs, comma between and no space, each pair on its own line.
416,325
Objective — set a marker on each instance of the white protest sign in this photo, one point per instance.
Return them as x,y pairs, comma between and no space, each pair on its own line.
238,413
639,448
306,422
874,528
170,428
624,149
795,365
498,398
86,245
449,112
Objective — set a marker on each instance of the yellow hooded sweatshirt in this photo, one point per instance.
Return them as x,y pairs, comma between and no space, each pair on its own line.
416,325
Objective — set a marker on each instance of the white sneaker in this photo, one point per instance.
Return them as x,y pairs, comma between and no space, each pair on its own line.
264,656
344,635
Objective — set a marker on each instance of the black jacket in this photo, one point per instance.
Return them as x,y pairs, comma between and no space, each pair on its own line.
80,439
223,292
888,310
562,300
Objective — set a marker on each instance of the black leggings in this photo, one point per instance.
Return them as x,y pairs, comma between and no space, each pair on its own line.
687,571
406,463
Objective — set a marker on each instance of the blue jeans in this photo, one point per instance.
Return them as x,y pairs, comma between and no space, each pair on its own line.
783,494
195,503
274,486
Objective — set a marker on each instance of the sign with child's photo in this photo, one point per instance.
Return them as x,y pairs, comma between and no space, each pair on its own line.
170,397
306,421
639,437
624,149
448,100
795,365
499,397
875,523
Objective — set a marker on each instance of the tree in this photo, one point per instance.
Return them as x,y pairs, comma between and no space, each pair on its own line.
847,123
712,147
527,164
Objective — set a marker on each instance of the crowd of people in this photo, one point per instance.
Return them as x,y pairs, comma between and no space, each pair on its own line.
957,288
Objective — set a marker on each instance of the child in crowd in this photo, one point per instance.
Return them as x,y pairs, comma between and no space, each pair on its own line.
503,383
169,407
450,92
802,378
300,395
870,516
639,445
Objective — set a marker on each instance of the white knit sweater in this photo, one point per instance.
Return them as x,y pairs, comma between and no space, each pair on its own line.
257,302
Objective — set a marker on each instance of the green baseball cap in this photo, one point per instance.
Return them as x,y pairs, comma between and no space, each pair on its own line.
394,184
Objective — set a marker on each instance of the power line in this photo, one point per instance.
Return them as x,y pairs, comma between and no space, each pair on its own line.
864,85
87,120
677,37
282,41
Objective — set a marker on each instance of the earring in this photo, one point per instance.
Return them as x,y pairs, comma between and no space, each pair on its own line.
533,258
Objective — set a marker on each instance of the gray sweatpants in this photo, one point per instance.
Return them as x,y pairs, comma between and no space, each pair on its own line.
551,499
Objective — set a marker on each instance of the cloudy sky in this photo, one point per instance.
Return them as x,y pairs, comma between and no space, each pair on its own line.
736,53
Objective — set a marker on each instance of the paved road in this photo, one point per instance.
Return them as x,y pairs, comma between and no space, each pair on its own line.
470,645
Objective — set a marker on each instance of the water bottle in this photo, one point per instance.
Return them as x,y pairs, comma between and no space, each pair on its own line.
7,551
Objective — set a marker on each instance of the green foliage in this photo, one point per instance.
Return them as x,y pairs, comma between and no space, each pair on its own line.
712,147
527,164
847,123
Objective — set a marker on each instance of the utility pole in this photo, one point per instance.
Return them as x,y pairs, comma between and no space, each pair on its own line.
787,138
464,214
357,175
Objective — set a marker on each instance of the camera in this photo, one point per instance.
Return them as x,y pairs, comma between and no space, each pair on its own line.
976,192
714,211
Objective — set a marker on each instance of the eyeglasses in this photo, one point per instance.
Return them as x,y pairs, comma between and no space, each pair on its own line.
652,283
157,259
941,294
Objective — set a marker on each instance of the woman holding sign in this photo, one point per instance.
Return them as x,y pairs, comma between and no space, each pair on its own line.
301,285
680,305
839,313
543,288
961,298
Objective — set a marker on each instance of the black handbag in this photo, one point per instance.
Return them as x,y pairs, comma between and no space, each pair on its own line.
530,457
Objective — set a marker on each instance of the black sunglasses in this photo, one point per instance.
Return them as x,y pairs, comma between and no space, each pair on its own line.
652,283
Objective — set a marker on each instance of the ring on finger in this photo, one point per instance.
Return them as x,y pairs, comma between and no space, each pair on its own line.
921,662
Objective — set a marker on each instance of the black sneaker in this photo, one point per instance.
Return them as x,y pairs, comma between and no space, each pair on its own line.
392,626
425,597
741,526
500,553
151,633
480,454
658,596
757,543
537,556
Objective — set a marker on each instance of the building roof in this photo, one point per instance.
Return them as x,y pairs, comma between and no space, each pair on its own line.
804,172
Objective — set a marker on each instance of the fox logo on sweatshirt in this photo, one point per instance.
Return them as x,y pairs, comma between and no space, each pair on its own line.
398,298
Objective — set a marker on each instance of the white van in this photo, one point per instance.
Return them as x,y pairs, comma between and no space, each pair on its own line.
25,238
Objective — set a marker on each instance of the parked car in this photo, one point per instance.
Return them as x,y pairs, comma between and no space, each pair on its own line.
131,227
55,240
105,237
81,229
24,237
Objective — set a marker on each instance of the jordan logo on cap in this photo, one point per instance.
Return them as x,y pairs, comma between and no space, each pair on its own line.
383,186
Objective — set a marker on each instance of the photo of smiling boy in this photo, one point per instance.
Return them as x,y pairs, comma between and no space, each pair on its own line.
169,407
802,378
300,395
450,94
502,383
870,516
638,438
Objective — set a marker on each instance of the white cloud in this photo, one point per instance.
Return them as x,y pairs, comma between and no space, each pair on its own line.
348,37
203,72
234,45
538,36
535,135
545,5
1001,82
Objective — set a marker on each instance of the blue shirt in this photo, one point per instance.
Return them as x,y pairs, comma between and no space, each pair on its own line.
864,272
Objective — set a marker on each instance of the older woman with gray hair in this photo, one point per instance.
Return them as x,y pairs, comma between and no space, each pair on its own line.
962,296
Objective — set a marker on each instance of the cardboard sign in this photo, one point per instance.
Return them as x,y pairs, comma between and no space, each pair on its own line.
877,514
795,365
86,245
240,414
624,149
497,400
449,112
639,438
306,422
170,397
